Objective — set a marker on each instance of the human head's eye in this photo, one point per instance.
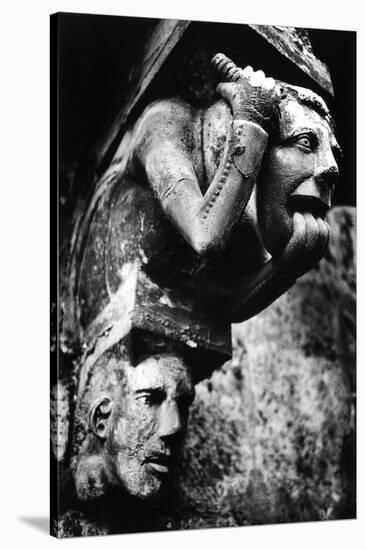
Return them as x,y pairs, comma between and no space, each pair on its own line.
150,397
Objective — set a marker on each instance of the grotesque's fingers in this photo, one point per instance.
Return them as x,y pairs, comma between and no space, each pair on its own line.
323,240
297,242
226,90
269,84
247,72
312,235
260,74
257,78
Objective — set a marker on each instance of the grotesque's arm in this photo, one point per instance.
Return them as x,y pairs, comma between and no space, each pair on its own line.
166,146
294,194
306,247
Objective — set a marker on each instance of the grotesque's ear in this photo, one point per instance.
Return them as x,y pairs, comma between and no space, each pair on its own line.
99,415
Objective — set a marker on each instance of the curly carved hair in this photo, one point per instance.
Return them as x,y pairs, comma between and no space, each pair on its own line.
307,97
227,71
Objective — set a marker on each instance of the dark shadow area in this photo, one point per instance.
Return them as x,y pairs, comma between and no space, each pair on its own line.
40,523
99,55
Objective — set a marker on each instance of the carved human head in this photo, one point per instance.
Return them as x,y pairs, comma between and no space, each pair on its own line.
137,428
300,169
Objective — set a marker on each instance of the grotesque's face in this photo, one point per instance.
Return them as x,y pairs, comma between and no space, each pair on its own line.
297,174
148,424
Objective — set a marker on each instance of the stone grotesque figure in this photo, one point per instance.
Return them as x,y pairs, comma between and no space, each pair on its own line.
204,217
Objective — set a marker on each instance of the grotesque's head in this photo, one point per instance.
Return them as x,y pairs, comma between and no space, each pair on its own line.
300,169
138,429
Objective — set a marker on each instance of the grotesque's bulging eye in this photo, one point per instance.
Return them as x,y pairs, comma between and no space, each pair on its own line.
304,141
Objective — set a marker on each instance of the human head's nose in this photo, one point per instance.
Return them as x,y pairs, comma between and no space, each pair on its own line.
170,421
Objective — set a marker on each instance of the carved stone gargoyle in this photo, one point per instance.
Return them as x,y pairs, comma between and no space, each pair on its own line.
204,217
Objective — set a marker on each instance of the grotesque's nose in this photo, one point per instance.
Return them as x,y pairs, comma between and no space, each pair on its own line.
312,195
170,423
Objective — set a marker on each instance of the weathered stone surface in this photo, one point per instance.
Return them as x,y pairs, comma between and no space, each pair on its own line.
271,435
291,42
253,469
164,37
295,45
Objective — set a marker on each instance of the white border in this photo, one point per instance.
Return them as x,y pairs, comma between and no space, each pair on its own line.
24,200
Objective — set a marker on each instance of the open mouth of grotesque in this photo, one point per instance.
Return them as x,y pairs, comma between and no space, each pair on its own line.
159,463
307,203
310,229
310,235
312,196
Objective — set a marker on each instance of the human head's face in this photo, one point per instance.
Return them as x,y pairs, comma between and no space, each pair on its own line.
148,424
297,174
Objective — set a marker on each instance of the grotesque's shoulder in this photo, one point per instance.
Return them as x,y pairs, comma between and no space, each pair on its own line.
168,108
167,118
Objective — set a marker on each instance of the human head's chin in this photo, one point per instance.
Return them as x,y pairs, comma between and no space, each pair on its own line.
135,480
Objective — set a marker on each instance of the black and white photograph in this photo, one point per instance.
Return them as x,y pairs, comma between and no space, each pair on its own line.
182,317
203,317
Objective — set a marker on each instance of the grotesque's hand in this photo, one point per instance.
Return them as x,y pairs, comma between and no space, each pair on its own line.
307,245
252,97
